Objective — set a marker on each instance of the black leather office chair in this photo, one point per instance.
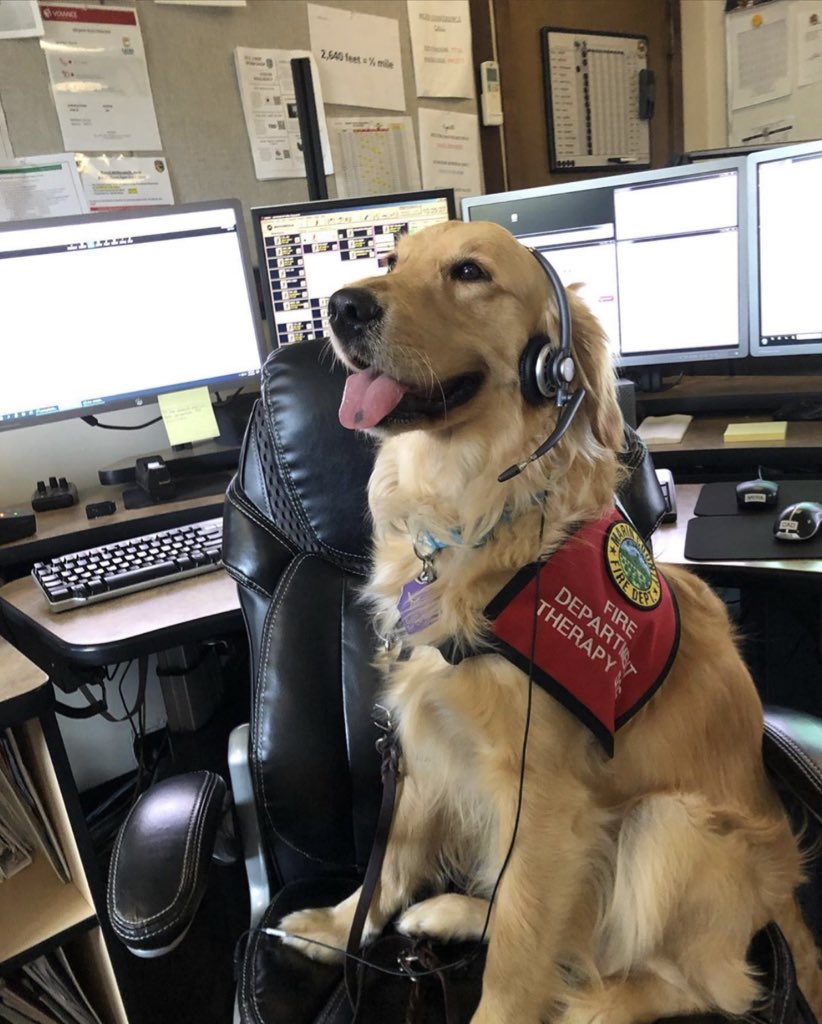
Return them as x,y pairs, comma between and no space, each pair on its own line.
305,772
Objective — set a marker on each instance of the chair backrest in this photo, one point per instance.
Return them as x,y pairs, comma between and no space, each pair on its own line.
297,540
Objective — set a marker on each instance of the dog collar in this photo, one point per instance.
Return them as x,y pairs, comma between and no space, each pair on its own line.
426,542
427,547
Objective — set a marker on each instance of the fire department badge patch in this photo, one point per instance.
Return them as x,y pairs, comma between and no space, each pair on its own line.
631,566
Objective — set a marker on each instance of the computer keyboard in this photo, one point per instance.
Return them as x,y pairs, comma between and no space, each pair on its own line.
125,566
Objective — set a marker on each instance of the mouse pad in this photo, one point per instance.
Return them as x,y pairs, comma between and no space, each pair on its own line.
743,537
720,499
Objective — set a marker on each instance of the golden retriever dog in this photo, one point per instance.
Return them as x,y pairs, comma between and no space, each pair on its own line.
634,882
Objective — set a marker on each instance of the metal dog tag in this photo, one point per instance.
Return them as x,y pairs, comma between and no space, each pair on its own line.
414,607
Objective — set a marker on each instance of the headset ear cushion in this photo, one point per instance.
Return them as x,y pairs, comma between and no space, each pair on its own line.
528,382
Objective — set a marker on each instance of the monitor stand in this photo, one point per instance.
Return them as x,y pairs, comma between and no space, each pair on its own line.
649,381
173,475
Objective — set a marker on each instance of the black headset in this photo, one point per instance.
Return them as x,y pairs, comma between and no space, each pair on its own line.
547,372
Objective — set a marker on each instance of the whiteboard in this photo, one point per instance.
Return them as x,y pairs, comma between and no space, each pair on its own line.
593,99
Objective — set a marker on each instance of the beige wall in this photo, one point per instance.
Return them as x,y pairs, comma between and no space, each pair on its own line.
703,74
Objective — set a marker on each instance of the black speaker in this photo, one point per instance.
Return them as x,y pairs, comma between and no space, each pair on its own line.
626,397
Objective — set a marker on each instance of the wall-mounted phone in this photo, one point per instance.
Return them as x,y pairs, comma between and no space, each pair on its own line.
490,93
647,94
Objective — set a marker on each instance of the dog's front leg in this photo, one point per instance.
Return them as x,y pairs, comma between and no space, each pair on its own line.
540,904
410,860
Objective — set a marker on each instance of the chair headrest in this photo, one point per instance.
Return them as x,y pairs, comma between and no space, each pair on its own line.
317,480
321,468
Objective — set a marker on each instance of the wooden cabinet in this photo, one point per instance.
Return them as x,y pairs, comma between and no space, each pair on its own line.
39,912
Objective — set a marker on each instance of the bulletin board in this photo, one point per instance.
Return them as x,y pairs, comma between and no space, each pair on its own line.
774,72
190,54
190,57
592,99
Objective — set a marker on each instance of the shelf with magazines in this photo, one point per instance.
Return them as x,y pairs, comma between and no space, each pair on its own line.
54,961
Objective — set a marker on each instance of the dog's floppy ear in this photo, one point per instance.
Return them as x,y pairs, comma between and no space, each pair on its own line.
595,372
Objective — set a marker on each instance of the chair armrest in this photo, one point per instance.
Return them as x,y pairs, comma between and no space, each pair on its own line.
640,492
256,869
792,749
160,861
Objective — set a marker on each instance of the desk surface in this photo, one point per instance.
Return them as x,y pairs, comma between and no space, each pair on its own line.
669,547
706,434
148,621
18,676
201,607
702,454
186,611
67,529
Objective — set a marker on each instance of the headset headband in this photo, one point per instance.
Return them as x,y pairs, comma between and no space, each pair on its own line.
557,366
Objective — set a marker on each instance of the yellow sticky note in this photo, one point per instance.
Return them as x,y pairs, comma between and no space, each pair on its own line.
188,416
768,430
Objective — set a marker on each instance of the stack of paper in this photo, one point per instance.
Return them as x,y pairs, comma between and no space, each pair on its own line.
46,991
767,430
24,824
14,856
664,429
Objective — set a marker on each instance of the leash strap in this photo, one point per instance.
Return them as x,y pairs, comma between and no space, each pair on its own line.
388,746
429,962
390,750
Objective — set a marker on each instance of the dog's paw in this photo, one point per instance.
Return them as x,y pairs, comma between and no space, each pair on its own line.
317,933
447,918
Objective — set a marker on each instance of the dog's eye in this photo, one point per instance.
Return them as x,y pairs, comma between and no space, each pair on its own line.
467,270
390,262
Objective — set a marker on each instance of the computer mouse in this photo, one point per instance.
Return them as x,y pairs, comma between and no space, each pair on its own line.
801,521
756,494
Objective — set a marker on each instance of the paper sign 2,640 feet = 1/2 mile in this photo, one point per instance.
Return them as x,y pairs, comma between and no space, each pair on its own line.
350,58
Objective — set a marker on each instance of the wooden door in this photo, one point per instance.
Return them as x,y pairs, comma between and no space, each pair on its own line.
517,156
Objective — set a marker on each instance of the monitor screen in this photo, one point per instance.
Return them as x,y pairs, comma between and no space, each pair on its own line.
109,311
307,251
786,226
659,255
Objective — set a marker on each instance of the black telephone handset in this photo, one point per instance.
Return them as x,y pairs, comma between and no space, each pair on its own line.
647,94
666,482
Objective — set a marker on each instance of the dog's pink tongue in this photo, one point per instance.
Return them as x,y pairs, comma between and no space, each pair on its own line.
368,397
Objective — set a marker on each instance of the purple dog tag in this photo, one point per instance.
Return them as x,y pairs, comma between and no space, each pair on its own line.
415,608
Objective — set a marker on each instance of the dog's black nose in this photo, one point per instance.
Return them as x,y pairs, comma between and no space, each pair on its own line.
351,311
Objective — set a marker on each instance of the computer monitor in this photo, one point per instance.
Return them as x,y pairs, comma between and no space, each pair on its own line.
785,230
109,311
660,255
307,251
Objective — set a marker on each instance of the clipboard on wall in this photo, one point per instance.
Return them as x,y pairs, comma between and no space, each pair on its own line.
599,98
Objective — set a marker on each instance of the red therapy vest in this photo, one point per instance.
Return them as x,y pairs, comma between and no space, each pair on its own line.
607,624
